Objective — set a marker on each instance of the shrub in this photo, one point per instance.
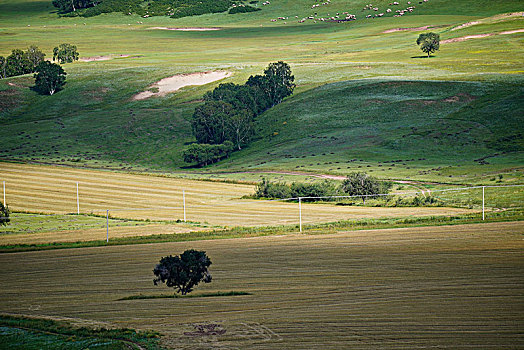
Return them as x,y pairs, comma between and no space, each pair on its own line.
267,189
204,154
362,184
4,214
242,9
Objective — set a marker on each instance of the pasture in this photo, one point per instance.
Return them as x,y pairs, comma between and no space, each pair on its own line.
150,134
132,199
451,288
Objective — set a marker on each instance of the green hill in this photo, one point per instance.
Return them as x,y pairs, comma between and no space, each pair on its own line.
363,92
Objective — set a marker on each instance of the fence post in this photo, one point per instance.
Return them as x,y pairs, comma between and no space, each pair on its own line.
184,198
483,187
4,193
300,212
107,226
77,200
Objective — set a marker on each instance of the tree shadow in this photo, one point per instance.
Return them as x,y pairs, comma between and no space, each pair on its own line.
425,56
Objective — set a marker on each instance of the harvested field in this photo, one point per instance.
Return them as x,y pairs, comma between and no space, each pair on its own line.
435,287
50,189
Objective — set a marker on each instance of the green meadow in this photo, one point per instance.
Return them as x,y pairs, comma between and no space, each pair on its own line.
363,97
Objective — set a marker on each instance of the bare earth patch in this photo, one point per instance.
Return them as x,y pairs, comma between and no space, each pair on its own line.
102,58
188,29
406,29
467,37
176,82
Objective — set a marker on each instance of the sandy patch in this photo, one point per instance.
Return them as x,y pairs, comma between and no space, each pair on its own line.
477,36
467,37
406,29
176,82
187,29
101,58
465,25
512,32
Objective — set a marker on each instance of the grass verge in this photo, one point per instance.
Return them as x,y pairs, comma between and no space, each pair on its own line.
177,296
244,232
68,336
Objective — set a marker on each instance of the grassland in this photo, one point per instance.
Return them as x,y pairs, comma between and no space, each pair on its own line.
393,289
138,135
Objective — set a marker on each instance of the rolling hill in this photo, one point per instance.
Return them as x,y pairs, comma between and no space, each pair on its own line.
365,97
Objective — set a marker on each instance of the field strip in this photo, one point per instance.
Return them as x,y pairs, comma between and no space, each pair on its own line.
47,189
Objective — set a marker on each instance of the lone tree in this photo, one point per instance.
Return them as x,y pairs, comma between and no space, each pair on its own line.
361,184
4,214
429,42
65,53
49,77
183,272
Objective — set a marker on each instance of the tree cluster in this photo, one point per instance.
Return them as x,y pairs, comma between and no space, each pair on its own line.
183,272
355,184
20,62
65,53
173,8
229,111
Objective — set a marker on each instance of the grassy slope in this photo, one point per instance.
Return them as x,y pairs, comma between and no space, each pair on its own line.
122,133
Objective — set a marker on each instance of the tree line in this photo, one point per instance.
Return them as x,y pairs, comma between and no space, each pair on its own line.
49,77
225,122
172,8
355,184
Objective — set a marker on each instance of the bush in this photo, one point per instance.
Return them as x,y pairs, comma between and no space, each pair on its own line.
187,8
362,184
317,189
4,214
242,9
266,189
204,154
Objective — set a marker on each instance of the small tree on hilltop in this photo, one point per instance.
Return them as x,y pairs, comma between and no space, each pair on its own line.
183,272
65,53
361,184
4,214
49,77
429,42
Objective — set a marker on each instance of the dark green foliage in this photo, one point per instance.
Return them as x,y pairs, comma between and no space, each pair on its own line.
108,6
184,8
65,6
243,9
429,42
317,189
230,109
183,272
267,189
4,214
17,63
204,154
277,82
20,62
35,56
3,67
49,78
361,184
65,53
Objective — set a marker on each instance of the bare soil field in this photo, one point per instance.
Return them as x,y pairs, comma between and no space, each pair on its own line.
457,287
